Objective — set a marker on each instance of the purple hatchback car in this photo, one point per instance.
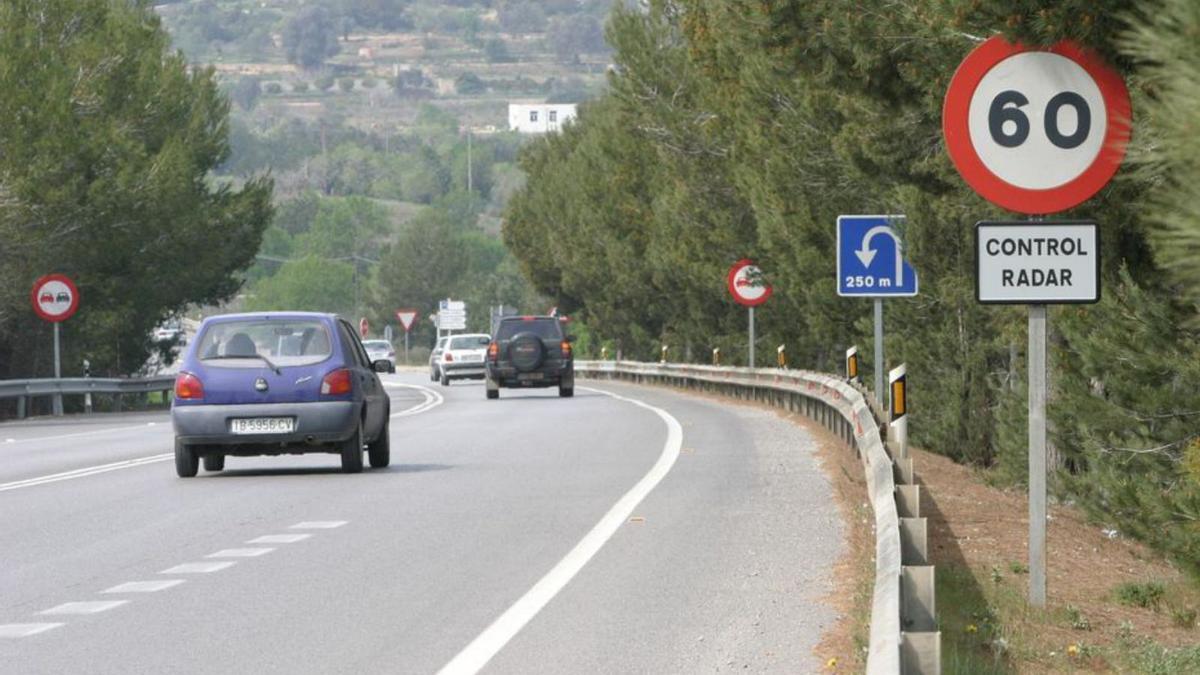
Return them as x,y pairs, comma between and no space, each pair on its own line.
278,383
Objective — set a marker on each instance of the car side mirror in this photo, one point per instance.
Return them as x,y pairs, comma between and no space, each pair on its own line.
382,366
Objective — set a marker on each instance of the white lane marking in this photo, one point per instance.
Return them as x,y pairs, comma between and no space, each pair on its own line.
279,539
199,568
20,630
432,399
77,434
93,607
481,650
240,553
86,471
145,586
318,525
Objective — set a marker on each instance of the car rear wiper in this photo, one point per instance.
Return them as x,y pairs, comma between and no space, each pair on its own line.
245,356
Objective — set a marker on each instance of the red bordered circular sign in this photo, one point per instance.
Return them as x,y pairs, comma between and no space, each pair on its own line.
1036,130
54,298
746,284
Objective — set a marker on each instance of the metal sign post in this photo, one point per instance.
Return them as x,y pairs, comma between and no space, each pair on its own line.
58,406
751,336
879,351
1037,455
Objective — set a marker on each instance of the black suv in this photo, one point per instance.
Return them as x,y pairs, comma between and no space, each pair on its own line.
530,351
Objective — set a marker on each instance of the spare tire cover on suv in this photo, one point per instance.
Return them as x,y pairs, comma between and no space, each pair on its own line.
526,351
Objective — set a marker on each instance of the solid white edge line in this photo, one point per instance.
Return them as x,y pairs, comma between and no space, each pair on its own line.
432,400
481,650
78,434
84,472
20,630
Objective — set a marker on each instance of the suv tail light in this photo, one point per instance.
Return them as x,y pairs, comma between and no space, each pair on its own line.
493,352
188,386
337,383
566,349
448,357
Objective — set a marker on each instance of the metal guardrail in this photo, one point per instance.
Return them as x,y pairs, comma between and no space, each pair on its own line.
24,390
903,634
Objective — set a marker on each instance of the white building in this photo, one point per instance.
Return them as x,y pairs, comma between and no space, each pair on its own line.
539,118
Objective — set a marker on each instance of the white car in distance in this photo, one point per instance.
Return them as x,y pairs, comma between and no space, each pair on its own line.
381,350
463,357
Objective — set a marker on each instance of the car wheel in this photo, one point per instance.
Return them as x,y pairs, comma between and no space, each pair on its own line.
392,369
566,392
214,462
493,393
187,463
433,376
352,452
380,451
445,380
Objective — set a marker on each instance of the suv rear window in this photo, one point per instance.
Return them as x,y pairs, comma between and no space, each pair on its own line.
298,342
546,328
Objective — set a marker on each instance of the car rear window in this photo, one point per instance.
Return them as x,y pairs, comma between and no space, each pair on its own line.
377,344
545,328
470,342
297,342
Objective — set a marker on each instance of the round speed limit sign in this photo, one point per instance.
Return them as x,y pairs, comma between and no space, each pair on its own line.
1036,131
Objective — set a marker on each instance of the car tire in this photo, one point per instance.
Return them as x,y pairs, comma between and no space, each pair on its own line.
352,452
392,369
566,392
445,380
493,393
187,463
379,452
214,462
433,375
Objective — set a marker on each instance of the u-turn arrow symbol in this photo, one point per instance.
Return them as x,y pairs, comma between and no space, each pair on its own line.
866,254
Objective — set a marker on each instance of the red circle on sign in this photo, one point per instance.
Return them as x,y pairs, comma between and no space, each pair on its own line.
363,327
54,298
966,158
737,281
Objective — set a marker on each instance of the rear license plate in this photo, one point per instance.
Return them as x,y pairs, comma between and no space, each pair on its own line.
473,357
530,376
263,425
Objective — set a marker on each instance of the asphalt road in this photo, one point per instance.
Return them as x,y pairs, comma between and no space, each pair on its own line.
651,533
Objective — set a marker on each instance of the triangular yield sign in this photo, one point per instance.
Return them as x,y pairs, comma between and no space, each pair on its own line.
407,318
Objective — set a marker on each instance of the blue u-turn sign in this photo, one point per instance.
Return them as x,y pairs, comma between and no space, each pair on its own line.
870,258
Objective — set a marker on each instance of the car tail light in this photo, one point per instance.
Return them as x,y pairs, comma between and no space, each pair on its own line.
188,386
493,351
448,357
391,355
566,349
337,383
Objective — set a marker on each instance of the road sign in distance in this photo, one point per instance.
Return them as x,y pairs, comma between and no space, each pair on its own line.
54,298
452,305
407,318
363,327
746,285
870,258
1036,130
1047,263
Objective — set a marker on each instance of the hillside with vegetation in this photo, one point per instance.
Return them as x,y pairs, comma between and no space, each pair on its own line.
384,124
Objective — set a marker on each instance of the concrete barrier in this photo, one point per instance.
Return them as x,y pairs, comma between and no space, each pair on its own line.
903,632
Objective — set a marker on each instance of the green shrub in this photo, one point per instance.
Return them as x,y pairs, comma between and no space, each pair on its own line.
325,83
346,84
273,88
1147,594
300,87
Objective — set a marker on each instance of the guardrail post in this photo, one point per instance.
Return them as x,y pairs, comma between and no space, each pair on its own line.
917,598
117,402
908,501
22,404
914,541
921,653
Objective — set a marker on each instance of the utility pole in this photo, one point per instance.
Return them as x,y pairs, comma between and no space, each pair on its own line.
470,185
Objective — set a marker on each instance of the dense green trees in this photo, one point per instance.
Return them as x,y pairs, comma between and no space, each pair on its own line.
741,128
310,37
107,144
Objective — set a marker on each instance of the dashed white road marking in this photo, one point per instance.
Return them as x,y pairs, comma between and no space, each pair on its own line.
318,525
279,539
93,607
86,471
199,567
145,586
481,650
240,553
20,630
